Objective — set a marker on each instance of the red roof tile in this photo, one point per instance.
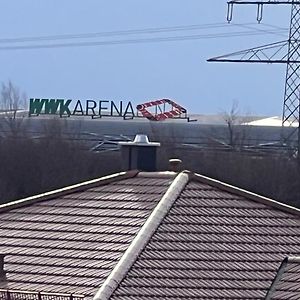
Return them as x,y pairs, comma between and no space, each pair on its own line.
213,244
152,236
70,243
286,284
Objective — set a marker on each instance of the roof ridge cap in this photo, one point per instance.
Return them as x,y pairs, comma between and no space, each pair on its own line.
159,174
143,236
67,190
276,279
244,193
293,259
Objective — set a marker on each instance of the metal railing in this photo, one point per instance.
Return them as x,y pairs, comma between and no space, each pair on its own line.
26,295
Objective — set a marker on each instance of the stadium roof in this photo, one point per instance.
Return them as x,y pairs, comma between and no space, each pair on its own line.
160,235
271,121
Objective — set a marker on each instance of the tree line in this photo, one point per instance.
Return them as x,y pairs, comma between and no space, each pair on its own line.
31,165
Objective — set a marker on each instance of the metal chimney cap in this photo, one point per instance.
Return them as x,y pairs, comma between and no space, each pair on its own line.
140,140
175,164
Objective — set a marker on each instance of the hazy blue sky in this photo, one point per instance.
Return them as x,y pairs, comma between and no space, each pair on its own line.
144,71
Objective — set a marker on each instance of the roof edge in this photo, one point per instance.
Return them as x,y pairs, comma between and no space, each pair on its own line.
66,190
244,193
142,238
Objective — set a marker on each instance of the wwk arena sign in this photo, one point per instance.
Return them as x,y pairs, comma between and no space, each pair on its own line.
157,110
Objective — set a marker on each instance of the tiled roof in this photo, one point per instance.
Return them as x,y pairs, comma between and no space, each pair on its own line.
149,236
286,284
213,244
70,243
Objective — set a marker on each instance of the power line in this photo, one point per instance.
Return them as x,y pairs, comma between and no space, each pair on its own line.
271,25
114,33
264,30
142,40
132,32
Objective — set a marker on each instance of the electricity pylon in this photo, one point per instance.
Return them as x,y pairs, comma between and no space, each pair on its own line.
283,52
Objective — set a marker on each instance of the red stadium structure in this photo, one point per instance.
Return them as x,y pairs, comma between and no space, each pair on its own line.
160,110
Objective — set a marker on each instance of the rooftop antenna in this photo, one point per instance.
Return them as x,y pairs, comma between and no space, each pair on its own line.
283,52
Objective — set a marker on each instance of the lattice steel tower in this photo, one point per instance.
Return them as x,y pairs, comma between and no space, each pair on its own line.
287,52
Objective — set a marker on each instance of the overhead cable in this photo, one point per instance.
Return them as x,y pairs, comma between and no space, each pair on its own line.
139,40
134,32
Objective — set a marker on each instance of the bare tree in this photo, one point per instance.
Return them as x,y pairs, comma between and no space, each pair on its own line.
12,100
231,119
238,130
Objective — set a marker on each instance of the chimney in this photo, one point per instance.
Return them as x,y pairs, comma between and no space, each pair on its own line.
139,154
175,165
2,272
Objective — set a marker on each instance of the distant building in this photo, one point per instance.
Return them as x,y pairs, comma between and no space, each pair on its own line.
270,121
